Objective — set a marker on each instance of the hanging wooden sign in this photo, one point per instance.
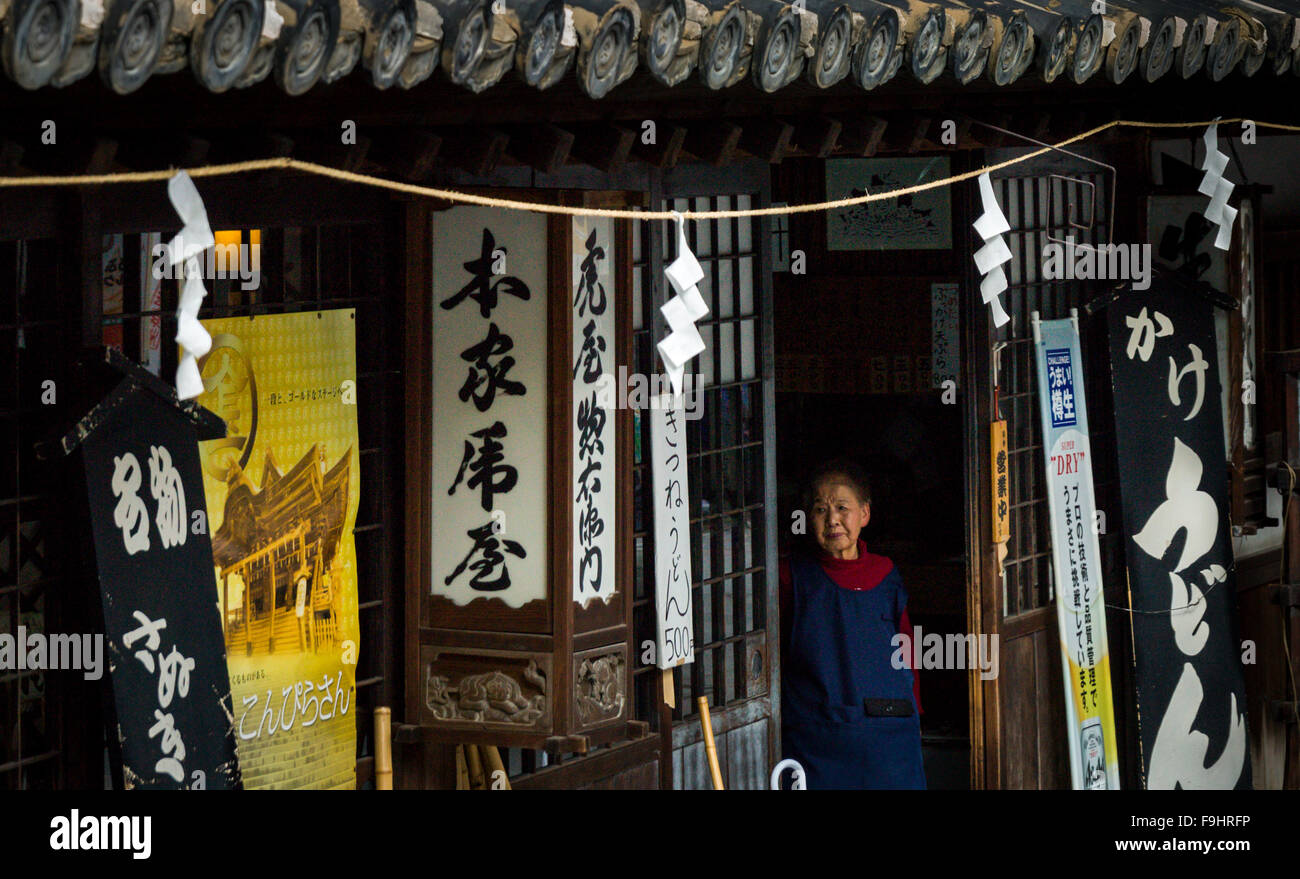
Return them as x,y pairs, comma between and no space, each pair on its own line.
999,482
170,717
674,625
1190,686
524,625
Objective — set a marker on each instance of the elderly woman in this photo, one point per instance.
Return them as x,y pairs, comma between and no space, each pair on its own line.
850,714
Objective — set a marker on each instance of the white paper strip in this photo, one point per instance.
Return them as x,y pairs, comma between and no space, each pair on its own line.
682,311
990,258
1218,188
196,235
194,238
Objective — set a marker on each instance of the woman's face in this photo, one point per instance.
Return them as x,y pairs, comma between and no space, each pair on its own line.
838,516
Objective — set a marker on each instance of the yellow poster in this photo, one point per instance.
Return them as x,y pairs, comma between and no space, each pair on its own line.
282,490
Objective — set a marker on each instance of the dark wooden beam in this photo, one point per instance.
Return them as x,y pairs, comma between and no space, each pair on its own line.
11,157
907,134
960,133
861,136
544,147
714,142
666,149
1042,126
920,136
336,154
605,147
987,137
476,150
767,139
242,146
817,136
407,153
164,151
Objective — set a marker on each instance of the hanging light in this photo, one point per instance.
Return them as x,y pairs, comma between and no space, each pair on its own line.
132,41
1157,55
722,51
880,52
38,35
1090,52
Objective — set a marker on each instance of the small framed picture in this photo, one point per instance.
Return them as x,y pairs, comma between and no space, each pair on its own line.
919,221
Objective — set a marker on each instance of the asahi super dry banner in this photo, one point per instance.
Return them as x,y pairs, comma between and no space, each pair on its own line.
282,491
1076,557
1169,433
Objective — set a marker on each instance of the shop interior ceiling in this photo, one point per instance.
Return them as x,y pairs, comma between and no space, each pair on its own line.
473,84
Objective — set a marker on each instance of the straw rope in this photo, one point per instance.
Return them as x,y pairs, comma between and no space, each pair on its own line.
576,211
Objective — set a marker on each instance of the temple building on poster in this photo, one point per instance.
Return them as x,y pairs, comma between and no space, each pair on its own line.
449,486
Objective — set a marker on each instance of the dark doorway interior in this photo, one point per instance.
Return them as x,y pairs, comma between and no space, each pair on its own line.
864,340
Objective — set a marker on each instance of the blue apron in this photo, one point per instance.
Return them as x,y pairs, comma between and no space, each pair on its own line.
837,675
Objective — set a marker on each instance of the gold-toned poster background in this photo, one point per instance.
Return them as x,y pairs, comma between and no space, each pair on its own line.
282,491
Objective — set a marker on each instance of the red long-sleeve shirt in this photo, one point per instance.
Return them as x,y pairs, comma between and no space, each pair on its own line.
865,572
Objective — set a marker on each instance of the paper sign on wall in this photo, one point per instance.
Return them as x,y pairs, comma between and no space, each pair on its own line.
674,628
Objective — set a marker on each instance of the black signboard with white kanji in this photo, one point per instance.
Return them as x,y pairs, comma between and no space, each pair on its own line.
171,703
1191,694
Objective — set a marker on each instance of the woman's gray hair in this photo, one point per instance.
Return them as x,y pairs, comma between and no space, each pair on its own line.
840,470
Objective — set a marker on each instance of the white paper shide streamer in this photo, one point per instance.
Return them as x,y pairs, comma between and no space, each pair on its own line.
194,238
1218,188
682,311
990,258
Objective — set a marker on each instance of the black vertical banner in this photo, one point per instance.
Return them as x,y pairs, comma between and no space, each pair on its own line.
163,637
1177,536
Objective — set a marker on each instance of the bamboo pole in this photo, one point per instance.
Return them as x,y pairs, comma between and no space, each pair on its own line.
383,748
475,763
492,759
710,747
462,771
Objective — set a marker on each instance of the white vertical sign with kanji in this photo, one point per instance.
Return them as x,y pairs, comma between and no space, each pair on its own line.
671,501
594,446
